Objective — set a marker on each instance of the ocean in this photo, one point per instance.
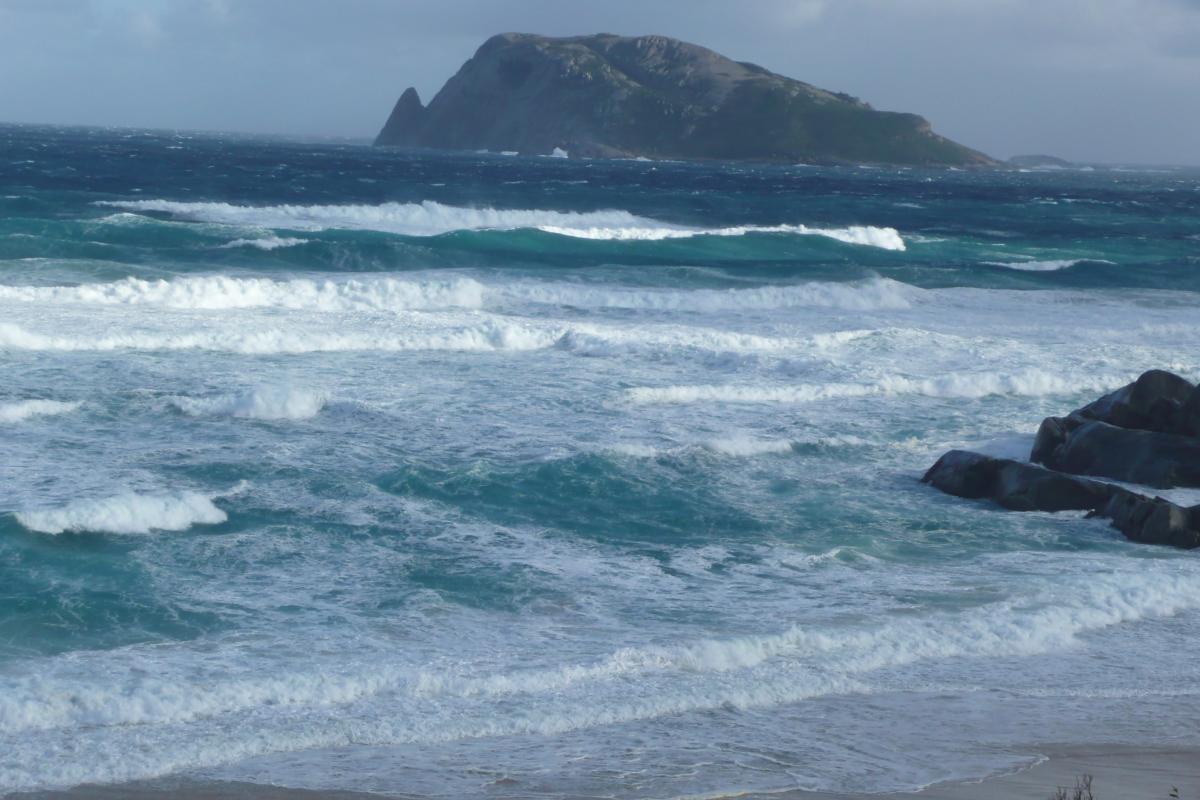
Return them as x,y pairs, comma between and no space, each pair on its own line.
473,475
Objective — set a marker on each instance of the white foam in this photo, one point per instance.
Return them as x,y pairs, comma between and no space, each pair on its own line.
433,219
488,335
126,513
267,242
214,292
635,450
741,446
410,219
878,293
746,446
16,412
262,402
885,238
1052,265
1031,382
124,723
1038,624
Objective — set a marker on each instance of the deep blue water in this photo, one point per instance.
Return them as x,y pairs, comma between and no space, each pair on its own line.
472,475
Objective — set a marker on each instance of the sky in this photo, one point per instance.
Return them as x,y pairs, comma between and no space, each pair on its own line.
1087,80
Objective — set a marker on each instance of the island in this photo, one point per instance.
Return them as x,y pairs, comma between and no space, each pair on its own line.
654,97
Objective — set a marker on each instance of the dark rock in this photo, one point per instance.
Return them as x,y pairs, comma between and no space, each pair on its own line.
1187,420
1051,435
1154,402
1153,520
1013,484
407,117
1025,487
619,96
1088,447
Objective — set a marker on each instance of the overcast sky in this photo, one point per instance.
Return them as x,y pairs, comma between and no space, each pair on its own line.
1103,80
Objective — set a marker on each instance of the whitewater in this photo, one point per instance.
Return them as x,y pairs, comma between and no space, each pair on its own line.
332,467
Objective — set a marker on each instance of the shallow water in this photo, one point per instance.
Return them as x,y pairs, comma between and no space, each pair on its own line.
468,475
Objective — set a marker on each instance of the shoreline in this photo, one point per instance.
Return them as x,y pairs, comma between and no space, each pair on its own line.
1119,772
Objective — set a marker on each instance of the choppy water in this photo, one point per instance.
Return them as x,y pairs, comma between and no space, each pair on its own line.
466,475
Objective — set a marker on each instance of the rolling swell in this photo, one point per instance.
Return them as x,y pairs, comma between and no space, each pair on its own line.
588,494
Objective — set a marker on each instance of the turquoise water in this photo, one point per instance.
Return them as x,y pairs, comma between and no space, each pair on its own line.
468,475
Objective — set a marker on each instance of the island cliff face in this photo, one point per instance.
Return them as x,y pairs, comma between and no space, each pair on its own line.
652,96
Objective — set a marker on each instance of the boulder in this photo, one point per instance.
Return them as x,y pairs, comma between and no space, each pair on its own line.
1152,520
1026,487
1013,484
1082,446
1187,419
1154,402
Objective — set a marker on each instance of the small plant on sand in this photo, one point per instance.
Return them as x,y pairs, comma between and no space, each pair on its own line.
1082,790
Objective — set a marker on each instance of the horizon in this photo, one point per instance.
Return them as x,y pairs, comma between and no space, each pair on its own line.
1092,87
367,141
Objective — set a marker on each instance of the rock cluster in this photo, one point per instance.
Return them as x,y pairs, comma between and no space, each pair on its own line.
1147,432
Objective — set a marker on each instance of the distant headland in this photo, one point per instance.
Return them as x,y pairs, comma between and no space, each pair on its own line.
654,97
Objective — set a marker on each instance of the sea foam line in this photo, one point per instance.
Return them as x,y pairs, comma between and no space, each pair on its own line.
1031,382
221,292
830,660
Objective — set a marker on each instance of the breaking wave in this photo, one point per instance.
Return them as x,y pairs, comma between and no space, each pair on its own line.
408,219
1041,624
1031,383
429,218
266,243
745,446
423,332
1051,265
485,336
630,683
216,292
885,238
263,402
16,412
127,513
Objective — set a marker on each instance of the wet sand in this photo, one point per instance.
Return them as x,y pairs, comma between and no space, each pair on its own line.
1119,773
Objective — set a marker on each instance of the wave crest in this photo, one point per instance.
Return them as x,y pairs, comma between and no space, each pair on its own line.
16,412
1029,383
262,402
219,292
127,513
